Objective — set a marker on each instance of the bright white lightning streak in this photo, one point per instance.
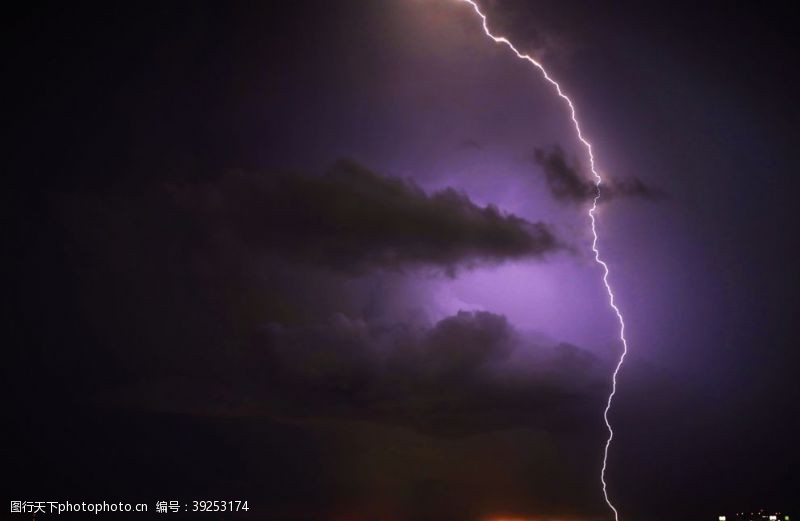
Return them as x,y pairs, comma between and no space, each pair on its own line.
592,211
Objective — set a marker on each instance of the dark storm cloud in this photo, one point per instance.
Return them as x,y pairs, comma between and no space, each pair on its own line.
567,182
633,187
468,373
388,411
353,219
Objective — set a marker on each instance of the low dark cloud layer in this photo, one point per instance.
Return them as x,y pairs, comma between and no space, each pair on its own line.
385,409
567,181
470,372
466,374
354,219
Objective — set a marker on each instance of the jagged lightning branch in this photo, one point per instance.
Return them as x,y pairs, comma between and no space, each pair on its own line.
592,211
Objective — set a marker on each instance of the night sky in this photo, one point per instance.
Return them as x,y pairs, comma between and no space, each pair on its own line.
333,258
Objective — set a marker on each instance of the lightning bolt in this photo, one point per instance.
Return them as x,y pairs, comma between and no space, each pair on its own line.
597,181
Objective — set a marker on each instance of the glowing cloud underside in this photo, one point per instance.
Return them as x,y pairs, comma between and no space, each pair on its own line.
598,181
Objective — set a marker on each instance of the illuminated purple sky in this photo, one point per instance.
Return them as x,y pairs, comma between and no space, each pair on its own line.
340,251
